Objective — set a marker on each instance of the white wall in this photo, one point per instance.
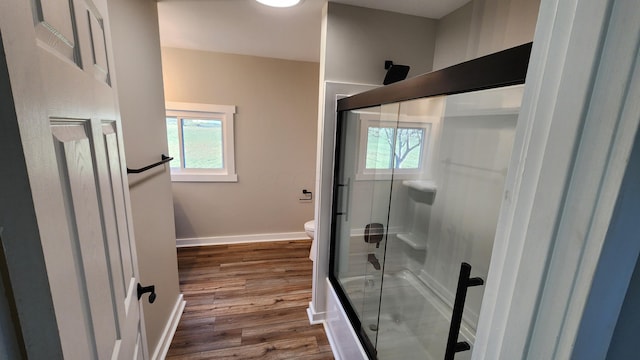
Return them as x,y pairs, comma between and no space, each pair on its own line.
463,218
275,137
136,47
359,40
482,27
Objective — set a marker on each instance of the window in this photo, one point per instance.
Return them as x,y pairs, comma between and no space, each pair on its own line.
382,140
387,147
200,140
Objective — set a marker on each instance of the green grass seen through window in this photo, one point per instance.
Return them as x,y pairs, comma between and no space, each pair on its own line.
202,143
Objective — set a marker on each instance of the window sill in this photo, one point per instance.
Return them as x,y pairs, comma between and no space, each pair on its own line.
195,177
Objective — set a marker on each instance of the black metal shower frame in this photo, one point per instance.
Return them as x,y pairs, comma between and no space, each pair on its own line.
504,68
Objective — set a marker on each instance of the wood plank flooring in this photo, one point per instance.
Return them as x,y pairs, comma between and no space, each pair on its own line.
247,301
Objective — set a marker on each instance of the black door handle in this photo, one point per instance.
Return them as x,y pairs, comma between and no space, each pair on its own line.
464,282
147,289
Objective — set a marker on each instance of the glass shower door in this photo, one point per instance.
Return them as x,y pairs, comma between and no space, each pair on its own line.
362,192
443,216
418,186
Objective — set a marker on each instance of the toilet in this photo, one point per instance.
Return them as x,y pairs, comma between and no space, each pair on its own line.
310,228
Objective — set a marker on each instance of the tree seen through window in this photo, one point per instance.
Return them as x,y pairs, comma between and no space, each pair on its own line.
394,148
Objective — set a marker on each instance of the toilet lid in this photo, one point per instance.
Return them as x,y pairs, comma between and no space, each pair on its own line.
310,225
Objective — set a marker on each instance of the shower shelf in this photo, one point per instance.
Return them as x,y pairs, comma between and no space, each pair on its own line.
427,186
423,191
414,241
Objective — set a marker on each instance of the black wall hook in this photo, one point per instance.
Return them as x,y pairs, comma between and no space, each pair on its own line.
147,289
163,159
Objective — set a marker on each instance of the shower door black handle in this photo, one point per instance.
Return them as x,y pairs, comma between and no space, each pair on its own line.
346,209
464,282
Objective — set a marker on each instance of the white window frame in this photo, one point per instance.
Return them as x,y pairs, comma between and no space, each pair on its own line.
224,113
386,174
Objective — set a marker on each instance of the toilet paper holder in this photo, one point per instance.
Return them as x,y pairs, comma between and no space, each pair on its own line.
307,195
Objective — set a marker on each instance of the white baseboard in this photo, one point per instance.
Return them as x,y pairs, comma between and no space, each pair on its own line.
239,239
332,342
315,317
169,330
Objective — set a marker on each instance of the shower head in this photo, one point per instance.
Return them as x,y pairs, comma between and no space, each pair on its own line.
395,72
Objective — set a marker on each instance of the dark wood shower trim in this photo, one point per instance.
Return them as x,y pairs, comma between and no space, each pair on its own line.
504,68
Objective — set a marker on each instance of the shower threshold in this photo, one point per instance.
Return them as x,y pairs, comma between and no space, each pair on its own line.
413,321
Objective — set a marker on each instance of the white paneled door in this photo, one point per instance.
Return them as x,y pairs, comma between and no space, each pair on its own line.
59,62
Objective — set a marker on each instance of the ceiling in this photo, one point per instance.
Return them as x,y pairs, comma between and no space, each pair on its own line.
249,28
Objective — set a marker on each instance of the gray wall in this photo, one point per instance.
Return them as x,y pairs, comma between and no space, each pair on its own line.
611,316
9,345
359,40
483,27
13,191
623,343
136,50
275,142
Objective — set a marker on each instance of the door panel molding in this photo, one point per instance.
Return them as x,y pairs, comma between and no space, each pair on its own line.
55,25
100,58
77,171
117,188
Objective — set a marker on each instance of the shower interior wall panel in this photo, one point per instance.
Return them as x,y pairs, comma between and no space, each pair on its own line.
474,153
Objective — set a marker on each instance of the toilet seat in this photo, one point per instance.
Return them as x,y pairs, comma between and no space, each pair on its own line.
310,228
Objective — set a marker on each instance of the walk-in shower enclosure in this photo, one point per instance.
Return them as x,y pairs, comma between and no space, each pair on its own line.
418,183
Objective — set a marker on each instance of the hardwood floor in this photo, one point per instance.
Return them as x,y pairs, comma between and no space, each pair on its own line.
247,301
